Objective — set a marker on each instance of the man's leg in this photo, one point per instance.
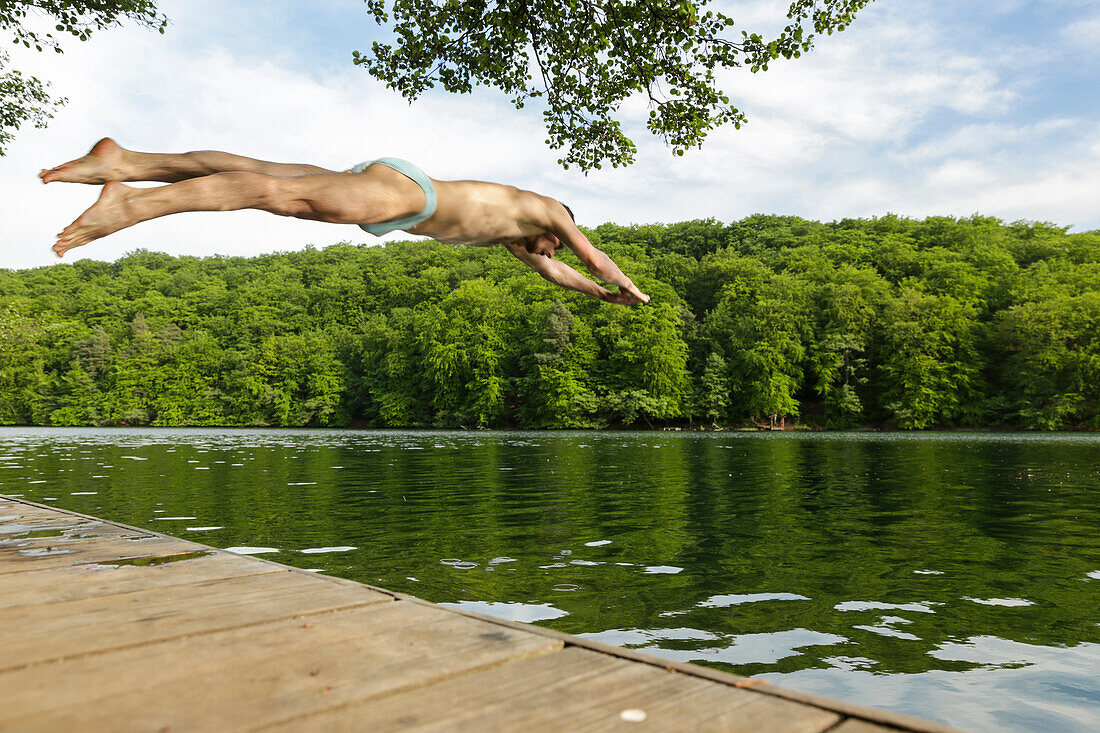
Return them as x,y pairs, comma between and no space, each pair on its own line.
331,197
107,161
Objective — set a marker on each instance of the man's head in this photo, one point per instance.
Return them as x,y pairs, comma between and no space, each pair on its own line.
543,244
546,244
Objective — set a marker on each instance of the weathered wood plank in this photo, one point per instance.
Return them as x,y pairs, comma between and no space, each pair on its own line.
14,535
17,510
77,582
38,633
250,677
89,551
577,690
487,697
9,516
13,525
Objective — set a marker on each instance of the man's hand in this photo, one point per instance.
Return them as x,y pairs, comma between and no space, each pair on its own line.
637,295
624,297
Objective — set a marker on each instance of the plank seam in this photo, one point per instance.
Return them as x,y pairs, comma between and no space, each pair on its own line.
81,540
416,685
99,562
151,642
181,583
209,581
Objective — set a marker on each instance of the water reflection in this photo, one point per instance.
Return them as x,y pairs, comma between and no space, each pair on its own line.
892,570
526,612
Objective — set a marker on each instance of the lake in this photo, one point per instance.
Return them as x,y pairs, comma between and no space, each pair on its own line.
949,576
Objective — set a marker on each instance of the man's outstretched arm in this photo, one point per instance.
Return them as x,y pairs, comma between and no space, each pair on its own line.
597,262
562,274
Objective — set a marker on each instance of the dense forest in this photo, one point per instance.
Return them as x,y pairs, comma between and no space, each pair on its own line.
889,322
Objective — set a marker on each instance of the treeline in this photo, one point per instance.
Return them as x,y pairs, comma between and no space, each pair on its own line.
888,321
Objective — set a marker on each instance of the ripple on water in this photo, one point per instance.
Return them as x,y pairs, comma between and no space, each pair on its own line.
919,607
525,612
246,550
885,627
324,550
458,564
739,649
1011,602
736,599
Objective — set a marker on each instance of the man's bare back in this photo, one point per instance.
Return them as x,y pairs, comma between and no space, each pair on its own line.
530,226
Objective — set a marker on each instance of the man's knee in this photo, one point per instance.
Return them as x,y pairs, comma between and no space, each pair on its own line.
284,197
331,199
328,198
295,208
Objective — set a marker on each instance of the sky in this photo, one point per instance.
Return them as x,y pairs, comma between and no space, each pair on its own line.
920,108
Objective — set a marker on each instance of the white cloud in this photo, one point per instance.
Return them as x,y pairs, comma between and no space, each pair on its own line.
960,173
1083,35
876,81
989,139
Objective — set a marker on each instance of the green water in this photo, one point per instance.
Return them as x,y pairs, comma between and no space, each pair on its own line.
954,577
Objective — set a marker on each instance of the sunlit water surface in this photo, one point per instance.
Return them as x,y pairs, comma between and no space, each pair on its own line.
954,577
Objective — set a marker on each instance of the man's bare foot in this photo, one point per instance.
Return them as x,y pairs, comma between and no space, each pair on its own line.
107,215
104,162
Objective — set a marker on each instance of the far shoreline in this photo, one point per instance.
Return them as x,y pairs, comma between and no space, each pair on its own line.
732,430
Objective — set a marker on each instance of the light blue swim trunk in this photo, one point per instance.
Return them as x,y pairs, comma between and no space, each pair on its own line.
420,178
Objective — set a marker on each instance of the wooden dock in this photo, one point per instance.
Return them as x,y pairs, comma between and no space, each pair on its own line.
108,627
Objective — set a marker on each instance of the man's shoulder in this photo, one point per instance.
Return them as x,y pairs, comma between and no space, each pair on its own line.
541,209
